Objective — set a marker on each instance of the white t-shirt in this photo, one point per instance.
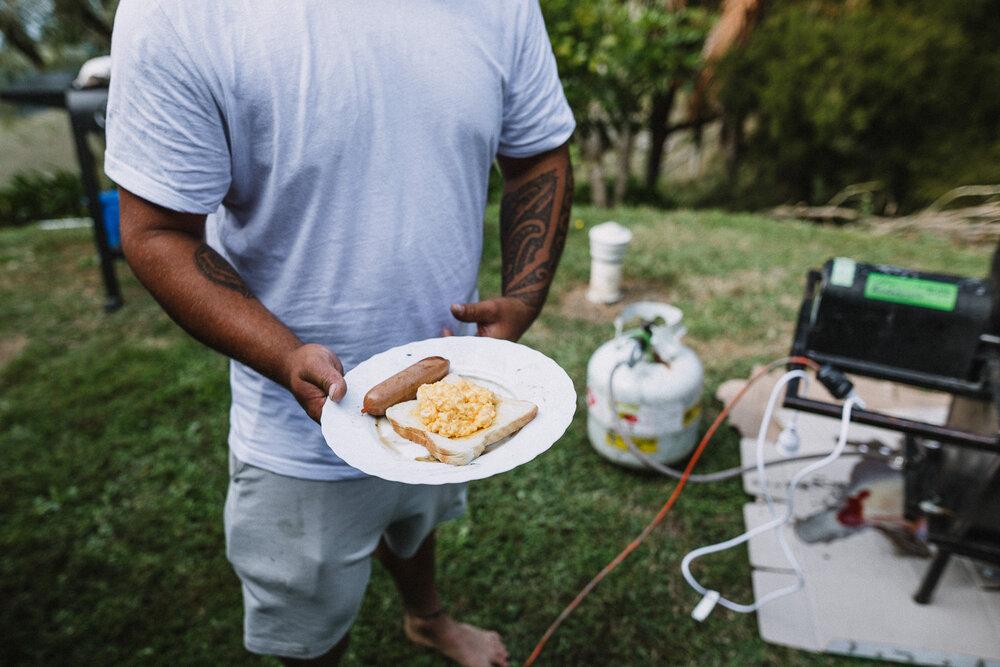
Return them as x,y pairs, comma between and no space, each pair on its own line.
342,151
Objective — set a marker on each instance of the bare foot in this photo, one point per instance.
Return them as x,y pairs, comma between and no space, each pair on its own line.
467,645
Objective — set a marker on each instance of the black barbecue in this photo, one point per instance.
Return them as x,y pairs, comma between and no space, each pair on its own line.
935,331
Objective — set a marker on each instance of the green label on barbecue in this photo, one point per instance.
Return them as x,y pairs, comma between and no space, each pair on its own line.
911,291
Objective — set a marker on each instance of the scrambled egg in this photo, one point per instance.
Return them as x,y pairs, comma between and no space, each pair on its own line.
455,409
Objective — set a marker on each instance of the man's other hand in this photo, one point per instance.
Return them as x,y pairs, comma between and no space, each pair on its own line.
502,317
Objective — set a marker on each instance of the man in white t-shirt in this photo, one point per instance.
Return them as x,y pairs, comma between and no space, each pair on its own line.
302,186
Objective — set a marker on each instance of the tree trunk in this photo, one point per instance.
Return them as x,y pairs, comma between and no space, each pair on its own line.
593,152
732,141
659,117
623,150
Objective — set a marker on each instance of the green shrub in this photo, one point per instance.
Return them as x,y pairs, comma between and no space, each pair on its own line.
29,196
899,92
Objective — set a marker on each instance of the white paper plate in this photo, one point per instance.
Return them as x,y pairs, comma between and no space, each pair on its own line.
509,369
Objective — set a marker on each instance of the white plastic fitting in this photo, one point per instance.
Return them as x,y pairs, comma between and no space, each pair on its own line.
788,441
705,607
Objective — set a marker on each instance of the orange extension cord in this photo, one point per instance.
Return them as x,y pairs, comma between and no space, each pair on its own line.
666,507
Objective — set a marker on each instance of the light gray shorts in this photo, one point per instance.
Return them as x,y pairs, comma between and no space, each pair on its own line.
302,549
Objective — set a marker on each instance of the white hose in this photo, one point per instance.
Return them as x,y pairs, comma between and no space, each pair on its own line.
710,597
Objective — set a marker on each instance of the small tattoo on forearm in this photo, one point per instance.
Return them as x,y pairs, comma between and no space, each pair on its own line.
214,267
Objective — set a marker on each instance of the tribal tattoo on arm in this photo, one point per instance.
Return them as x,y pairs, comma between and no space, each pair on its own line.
533,228
213,266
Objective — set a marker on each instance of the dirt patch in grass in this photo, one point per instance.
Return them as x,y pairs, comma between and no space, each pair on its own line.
737,283
775,344
11,348
774,341
576,304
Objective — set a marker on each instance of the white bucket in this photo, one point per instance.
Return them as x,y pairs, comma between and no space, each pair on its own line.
608,243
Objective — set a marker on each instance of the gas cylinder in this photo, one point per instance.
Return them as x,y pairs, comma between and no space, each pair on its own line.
645,385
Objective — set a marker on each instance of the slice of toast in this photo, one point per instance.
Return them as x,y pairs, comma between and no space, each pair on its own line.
512,415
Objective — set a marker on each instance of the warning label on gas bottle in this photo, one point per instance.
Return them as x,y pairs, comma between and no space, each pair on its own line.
691,414
645,445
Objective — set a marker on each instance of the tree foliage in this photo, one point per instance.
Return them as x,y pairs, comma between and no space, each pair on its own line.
43,34
618,59
838,92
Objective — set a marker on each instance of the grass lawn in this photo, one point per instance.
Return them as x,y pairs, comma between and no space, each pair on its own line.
113,430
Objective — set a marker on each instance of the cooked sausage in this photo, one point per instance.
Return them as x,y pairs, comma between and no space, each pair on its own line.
403,385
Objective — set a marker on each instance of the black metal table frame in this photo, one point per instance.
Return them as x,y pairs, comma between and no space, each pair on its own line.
86,108
946,540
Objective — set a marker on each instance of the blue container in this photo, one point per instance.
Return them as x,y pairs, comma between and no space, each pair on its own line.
109,209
